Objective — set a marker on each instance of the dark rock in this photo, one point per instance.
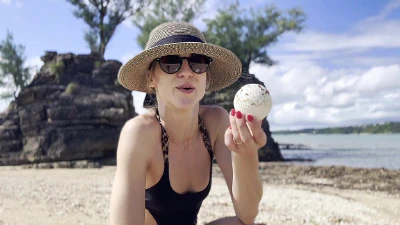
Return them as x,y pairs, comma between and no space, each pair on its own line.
106,72
72,110
48,56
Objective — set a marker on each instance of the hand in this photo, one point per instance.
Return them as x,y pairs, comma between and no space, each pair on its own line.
245,134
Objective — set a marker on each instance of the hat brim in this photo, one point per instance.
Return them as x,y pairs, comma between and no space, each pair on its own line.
224,70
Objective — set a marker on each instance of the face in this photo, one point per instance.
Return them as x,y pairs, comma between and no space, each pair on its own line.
182,88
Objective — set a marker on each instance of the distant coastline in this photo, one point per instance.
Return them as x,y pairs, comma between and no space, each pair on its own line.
385,128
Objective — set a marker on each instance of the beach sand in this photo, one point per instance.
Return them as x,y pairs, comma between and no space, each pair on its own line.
293,194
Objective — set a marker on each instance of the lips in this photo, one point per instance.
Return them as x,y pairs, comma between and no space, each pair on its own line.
185,87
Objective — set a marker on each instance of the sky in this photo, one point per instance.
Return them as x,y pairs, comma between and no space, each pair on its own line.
342,69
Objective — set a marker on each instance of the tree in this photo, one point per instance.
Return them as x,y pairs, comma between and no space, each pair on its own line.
248,33
103,17
161,11
12,68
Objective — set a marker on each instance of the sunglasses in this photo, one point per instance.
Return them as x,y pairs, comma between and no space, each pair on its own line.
171,64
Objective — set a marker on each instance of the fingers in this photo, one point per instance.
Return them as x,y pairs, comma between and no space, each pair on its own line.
229,140
259,135
245,135
234,129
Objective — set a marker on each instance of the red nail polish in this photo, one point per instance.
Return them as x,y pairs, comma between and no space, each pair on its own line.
238,115
250,118
232,112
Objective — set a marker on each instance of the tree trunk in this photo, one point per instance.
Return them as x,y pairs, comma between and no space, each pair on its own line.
102,36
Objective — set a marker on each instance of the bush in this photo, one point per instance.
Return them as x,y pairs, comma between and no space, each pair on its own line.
97,64
72,88
116,82
56,68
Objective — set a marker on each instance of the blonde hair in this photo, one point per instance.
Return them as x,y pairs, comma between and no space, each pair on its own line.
149,79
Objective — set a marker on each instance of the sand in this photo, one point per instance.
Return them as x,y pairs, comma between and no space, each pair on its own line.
293,194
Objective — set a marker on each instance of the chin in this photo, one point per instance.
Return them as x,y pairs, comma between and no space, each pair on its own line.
185,103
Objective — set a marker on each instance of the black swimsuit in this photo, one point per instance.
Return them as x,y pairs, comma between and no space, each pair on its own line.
167,206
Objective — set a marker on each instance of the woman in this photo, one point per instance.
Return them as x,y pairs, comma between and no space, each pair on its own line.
164,182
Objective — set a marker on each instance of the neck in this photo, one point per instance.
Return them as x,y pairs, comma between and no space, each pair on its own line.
181,124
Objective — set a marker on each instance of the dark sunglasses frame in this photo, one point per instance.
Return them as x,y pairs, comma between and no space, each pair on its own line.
208,62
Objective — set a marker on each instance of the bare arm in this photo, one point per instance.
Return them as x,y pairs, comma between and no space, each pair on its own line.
133,158
240,172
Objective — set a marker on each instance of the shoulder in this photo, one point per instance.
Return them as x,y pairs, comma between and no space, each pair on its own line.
213,113
216,120
138,137
145,122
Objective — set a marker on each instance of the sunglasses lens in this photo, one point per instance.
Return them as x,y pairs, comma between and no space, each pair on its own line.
199,63
170,63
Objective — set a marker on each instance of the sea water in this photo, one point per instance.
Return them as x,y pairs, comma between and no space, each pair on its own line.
355,150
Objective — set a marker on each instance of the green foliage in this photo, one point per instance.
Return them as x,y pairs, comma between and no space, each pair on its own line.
248,33
103,17
390,127
56,68
12,67
92,39
161,11
97,64
72,88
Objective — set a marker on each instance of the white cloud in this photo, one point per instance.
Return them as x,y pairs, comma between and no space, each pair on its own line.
373,32
210,11
335,79
19,4
319,96
6,2
35,63
127,56
138,99
376,35
387,9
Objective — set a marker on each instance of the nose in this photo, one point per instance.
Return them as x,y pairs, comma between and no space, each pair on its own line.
185,71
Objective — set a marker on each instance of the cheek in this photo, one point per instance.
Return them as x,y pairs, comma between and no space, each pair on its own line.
203,80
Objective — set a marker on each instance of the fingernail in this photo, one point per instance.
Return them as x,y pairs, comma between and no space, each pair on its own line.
230,127
232,112
238,115
250,118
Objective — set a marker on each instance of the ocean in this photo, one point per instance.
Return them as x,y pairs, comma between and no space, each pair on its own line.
354,150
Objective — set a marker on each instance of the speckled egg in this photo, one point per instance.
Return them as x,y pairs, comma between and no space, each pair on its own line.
253,99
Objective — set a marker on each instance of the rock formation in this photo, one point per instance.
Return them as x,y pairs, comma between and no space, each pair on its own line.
224,98
72,112
73,109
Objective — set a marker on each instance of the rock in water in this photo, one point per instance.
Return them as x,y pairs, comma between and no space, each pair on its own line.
253,99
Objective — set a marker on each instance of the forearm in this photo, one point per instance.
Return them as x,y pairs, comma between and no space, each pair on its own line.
246,186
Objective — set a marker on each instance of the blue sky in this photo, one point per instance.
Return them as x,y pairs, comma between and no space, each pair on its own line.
343,69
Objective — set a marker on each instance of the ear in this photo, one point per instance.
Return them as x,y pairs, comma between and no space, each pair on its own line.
152,82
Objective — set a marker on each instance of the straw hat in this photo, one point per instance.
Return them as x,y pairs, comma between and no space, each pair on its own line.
175,38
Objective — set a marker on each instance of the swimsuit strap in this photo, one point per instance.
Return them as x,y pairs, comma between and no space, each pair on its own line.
165,139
